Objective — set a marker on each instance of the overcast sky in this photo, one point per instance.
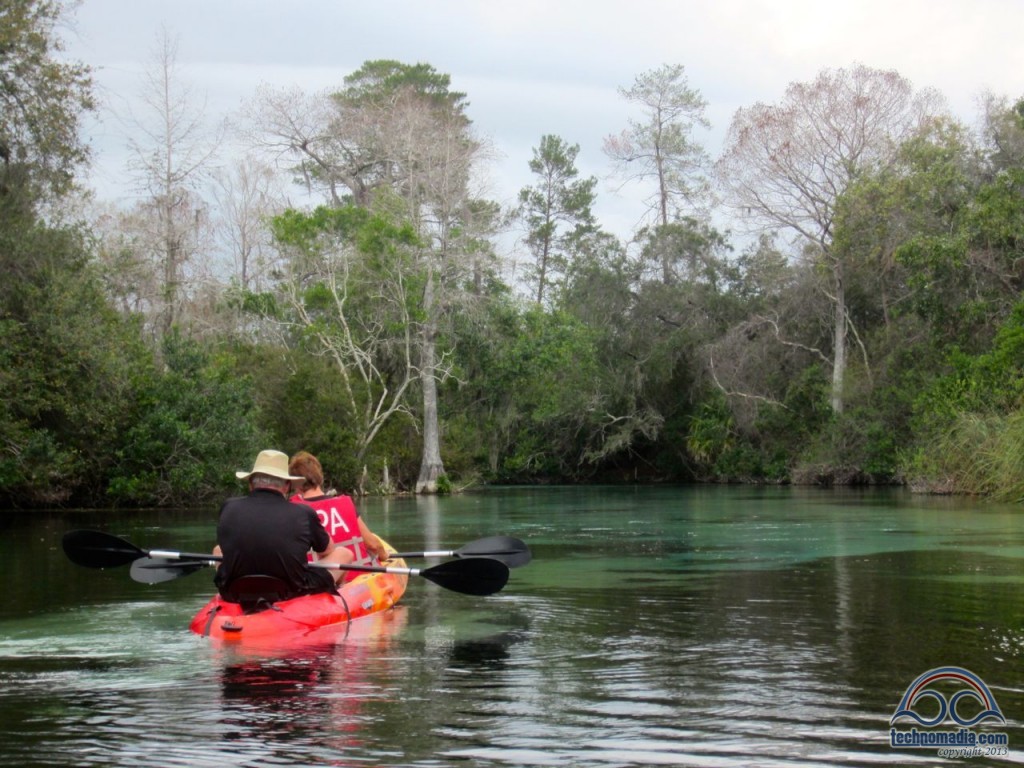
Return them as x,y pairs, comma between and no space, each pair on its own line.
532,67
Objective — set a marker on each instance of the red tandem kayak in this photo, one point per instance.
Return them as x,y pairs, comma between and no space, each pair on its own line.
300,617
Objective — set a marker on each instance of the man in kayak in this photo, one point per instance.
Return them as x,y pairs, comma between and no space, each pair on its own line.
266,534
337,513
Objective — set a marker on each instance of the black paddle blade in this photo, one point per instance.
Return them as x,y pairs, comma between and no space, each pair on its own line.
512,552
474,576
95,549
154,570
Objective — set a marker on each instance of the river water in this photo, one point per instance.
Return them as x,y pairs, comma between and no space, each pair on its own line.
708,626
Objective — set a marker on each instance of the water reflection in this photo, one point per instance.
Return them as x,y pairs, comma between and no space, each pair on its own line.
313,695
488,654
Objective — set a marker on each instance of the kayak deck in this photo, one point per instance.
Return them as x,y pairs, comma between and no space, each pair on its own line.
364,595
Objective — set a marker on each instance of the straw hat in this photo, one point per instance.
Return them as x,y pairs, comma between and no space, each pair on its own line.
273,463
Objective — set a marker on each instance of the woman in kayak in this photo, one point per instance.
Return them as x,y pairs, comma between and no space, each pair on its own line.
337,513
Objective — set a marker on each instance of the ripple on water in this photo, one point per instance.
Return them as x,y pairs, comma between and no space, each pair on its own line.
737,700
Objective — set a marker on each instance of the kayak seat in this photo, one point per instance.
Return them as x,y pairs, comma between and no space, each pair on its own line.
256,592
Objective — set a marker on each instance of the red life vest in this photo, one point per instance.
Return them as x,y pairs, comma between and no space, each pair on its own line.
339,517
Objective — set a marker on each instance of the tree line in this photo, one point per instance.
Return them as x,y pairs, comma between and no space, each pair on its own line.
863,324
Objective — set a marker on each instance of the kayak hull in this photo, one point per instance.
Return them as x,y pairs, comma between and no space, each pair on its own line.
300,617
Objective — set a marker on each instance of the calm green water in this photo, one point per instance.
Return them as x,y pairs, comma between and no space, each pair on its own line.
707,626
